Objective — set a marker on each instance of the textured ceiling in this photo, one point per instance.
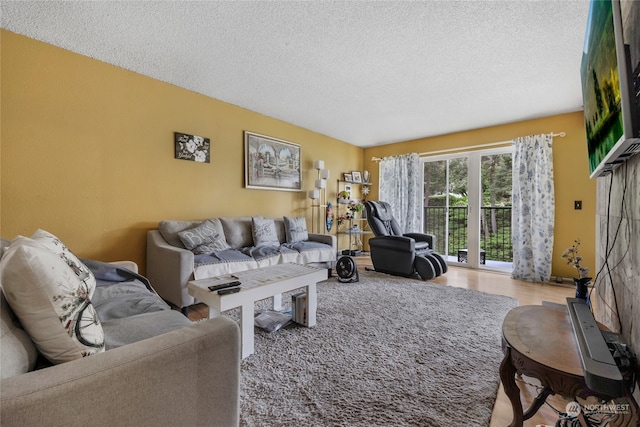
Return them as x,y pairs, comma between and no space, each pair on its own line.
364,72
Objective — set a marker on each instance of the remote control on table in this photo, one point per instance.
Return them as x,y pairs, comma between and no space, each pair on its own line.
229,291
213,288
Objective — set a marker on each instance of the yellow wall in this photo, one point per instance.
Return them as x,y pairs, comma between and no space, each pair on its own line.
571,173
87,153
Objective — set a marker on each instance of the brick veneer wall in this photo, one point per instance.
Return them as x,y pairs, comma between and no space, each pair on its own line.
624,253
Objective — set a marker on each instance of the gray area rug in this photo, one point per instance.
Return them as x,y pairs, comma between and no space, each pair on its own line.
386,351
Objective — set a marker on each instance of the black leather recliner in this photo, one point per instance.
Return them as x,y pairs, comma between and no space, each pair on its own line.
398,253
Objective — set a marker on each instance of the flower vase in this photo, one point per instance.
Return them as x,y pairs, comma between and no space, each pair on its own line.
582,289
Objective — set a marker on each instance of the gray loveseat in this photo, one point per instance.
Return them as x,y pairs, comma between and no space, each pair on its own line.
231,245
158,368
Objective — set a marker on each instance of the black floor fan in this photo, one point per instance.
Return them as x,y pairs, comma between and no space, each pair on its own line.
346,270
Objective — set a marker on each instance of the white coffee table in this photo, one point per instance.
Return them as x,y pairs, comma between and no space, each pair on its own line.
256,285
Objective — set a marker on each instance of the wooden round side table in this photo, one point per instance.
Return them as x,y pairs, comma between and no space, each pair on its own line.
538,341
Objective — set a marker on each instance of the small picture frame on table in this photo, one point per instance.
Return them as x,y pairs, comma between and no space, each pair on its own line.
348,177
357,176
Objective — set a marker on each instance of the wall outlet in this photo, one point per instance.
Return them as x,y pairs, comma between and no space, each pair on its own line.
577,204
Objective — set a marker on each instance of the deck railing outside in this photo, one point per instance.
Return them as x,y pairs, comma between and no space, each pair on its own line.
495,230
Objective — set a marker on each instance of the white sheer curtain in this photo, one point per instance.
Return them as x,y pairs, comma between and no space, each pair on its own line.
533,208
400,186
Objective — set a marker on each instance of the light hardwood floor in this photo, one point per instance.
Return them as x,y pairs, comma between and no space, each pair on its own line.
496,283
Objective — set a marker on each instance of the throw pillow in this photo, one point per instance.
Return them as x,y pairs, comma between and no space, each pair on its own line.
264,232
56,246
51,301
4,244
170,229
17,351
208,233
296,229
208,249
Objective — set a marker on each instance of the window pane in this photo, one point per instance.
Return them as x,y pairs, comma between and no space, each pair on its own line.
445,203
495,217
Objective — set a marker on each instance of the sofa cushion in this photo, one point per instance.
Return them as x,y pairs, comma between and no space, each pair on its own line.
264,232
221,263
265,255
114,300
51,300
205,237
127,330
170,229
17,351
312,252
280,229
238,231
56,246
296,229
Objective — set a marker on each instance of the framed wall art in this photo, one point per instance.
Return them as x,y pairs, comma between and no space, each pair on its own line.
271,163
192,147
357,177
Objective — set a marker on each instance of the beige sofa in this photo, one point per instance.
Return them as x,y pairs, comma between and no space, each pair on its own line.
170,264
158,368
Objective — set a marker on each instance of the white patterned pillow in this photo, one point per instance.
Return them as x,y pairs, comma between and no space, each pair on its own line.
51,300
206,237
170,229
296,229
56,246
264,232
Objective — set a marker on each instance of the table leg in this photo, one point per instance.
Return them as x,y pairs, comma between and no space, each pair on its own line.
277,302
246,328
213,312
537,403
507,376
312,304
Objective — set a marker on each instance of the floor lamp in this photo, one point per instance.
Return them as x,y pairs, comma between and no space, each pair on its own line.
318,195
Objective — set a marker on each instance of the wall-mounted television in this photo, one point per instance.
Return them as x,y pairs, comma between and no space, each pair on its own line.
610,73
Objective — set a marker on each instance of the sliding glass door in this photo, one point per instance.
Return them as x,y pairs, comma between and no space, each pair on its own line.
467,206
446,202
495,214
